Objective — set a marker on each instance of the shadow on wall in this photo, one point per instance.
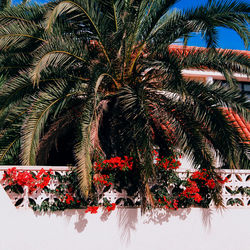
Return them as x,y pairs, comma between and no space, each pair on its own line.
126,219
160,216
79,215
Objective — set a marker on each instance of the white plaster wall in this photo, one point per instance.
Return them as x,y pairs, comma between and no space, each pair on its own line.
194,229
186,163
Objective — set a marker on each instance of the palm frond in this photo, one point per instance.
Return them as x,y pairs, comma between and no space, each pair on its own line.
204,19
38,115
56,54
207,121
4,4
136,135
84,9
84,147
215,60
28,14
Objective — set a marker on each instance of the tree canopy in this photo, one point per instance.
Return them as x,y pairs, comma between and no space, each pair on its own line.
89,78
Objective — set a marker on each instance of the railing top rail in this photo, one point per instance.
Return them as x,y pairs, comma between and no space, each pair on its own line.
226,171
67,168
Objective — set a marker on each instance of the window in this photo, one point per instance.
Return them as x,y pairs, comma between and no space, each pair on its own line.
243,86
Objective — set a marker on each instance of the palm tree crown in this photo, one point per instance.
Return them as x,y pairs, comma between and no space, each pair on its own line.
100,77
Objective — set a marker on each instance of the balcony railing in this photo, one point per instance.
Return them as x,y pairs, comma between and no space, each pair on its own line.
236,192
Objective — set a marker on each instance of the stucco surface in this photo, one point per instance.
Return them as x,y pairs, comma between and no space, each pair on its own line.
194,229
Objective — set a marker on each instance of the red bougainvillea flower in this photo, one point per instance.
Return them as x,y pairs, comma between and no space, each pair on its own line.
199,175
221,181
102,179
26,178
92,209
168,163
10,175
197,197
111,207
192,191
115,163
173,205
210,183
69,198
155,153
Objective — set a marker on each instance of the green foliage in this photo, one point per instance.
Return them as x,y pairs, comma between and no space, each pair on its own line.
103,74
67,184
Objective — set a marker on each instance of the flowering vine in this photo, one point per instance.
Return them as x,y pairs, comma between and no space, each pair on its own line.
27,178
168,192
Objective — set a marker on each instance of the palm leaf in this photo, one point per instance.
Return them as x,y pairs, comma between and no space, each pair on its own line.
84,146
39,113
86,8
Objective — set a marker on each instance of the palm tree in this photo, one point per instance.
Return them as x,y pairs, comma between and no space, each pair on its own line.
7,3
4,4
100,77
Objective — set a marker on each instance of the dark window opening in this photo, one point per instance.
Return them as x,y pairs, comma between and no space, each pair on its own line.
243,86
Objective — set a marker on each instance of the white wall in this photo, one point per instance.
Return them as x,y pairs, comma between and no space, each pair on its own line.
194,229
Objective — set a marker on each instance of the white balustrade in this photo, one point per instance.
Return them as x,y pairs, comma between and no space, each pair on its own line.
236,192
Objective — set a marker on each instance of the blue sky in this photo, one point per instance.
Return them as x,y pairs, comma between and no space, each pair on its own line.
227,39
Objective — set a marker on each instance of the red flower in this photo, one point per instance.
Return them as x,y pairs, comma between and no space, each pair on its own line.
92,209
210,183
111,208
221,181
199,175
197,197
192,191
155,153
69,198
115,163
175,204
102,179
168,163
25,178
